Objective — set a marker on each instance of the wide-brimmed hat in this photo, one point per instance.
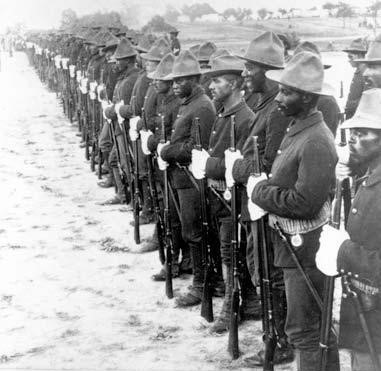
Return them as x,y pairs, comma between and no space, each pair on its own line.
102,37
124,49
174,30
308,46
228,64
303,72
157,51
111,43
163,69
374,52
144,44
122,31
185,65
205,51
357,46
368,113
266,49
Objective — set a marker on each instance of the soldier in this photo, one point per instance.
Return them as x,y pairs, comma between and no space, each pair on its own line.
264,53
296,196
356,50
356,254
175,43
167,109
203,56
125,55
177,151
226,82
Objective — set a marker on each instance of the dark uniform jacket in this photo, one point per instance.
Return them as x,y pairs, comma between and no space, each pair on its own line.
270,126
94,67
183,137
220,138
139,92
328,106
362,255
301,180
167,107
355,92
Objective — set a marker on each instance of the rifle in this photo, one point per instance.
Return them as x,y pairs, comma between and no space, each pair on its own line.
100,126
233,346
136,182
207,297
268,325
93,139
155,199
349,293
168,230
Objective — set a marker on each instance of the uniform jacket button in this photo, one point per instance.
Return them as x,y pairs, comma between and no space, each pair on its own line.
270,175
354,211
278,151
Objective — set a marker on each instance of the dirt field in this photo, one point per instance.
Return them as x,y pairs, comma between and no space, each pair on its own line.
73,293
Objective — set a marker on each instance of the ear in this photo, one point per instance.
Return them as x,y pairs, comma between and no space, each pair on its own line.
306,98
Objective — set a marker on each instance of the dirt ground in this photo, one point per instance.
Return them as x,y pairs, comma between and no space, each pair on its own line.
73,293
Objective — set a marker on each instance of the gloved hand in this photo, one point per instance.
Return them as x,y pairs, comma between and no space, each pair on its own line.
105,105
72,70
230,158
252,182
198,164
117,111
330,241
160,147
342,171
343,154
133,132
144,135
255,211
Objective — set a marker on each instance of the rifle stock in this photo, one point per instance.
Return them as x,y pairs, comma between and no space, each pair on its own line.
268,325
207,297
233,346
168,230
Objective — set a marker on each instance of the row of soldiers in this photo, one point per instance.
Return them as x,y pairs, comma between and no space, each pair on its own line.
233,158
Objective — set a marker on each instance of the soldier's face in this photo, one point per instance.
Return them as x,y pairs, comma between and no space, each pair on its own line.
290,102
254,76
352,57
364,144
204,65
151,66
162,87
220,88
372,76
182,87
122,64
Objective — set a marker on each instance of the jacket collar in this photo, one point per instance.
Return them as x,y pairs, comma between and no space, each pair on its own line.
372,177
197,92
232,110
125,73
296,126
266,98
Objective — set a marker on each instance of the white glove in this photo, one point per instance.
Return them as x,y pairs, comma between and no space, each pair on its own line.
144,135
343,154
160,147
198,164
79,76
65,61
255,211
230,158
84,85
117,109
72,71
342,171
134,135
105,105
252,182
330,241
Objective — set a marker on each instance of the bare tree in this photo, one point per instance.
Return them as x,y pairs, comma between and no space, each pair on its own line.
344,11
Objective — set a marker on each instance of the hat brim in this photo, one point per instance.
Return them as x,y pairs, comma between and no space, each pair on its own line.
369,61
356,51
276,75
150,57
172,76
361,121
261,63
141,50
214,73
124,56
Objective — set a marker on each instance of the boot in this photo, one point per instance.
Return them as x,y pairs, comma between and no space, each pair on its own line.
281,355
162,275
180,245
222,322
108,182
194,294
120,197
150,244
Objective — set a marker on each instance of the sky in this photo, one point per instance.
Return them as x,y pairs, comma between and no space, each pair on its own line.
47,13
